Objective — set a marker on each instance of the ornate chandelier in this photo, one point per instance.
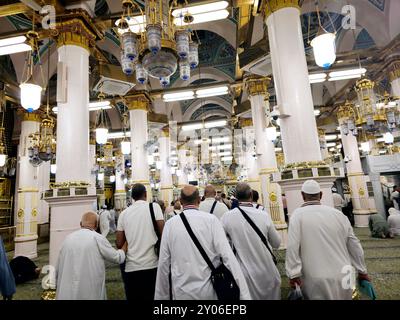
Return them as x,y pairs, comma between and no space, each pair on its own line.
391,106
346,117
43,143
369,115
152,45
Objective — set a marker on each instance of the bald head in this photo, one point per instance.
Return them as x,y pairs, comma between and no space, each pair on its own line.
89,220
209,191
243,192
190,195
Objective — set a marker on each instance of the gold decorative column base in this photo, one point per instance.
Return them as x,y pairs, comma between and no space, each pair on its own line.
363,206
49,294
271,196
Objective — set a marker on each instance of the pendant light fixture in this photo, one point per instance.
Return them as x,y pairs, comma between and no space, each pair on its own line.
43,143
125,144
388,137
3,152
101,130
324,44
31,92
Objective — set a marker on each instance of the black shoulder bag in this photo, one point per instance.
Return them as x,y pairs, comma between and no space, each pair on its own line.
153,219
221,278
260,234
213,207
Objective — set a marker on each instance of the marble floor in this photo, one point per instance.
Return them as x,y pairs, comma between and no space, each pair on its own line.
382,258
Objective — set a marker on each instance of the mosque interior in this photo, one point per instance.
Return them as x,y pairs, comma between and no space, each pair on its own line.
96,95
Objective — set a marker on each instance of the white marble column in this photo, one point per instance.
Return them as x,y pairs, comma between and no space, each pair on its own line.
271,194
120,193
92,164
323,147
73,117
138,107
298,126
363,206
251,165
92,161
183,161
27,215
166,186
44,184
73,195
394,77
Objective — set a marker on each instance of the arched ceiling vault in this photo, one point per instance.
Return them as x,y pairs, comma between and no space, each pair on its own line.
367,16
197,104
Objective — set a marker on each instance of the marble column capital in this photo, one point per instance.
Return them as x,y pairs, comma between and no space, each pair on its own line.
30,116
345,112
271,6
321,132
138,102
165,131
257,86
246,122
74,32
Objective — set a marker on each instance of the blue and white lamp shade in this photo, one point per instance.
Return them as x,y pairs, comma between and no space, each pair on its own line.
324,48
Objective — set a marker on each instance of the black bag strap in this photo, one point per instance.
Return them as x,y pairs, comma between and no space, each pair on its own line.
196,242
213,207
153,219
260,234
258,205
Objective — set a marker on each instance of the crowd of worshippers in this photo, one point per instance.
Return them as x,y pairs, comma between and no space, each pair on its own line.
175,259
170,253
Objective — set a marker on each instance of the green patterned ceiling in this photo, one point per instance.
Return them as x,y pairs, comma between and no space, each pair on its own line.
215,51
207,108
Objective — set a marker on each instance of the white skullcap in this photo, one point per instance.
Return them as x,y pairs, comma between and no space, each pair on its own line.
393,211
334,189
311,187
104,206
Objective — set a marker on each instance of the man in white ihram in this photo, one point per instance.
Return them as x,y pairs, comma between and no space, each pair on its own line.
212,205
394,221
259,269
190,274
321,247
105,218
80,267
338,201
